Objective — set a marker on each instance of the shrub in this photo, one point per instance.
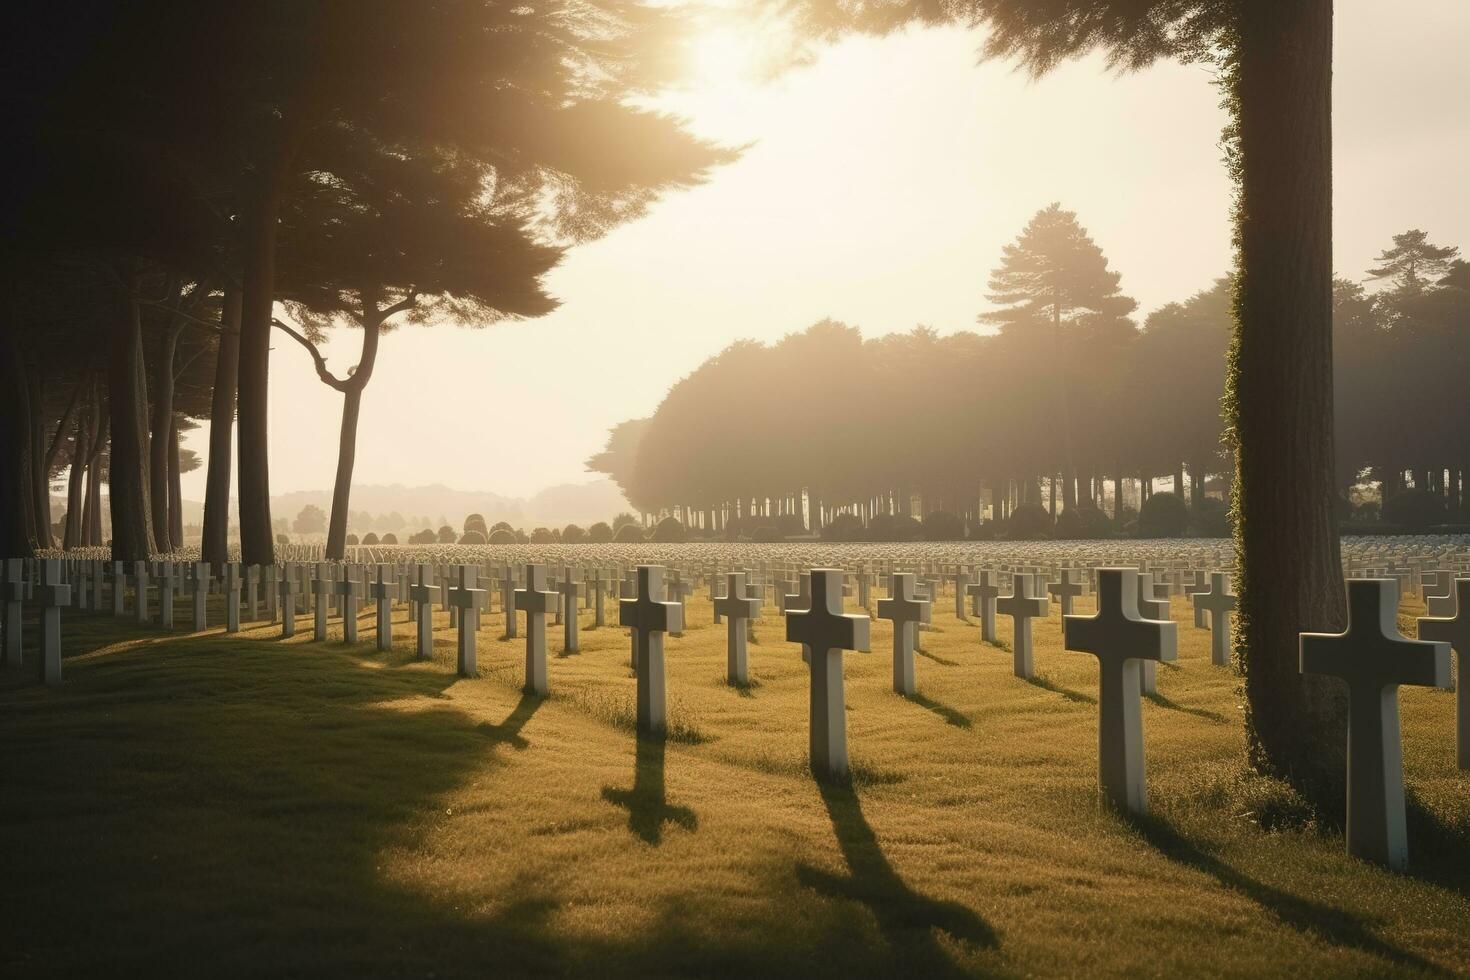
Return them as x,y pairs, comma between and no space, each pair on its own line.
501,526
895,527
669,531
1210,519
370,538
941,525
280,539
599,533
476,522
789,525
1029,522
572,534
1163,516
446,535
541,535
1368,512
502,535
351,539
628,534
390,538
844,527
1085,523
1414,509
624,519
472,537
426,536
767,535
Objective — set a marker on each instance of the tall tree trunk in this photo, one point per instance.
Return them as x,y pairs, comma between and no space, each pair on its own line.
76,479
257,545
159,442
48,463
92,512
1280,394
17,530
175,487
132,531
215,546
372,324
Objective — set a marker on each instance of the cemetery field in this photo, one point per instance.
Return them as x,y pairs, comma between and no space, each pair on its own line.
247,805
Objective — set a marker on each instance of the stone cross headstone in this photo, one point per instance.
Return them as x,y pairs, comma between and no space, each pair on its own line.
907,612
650,618
985,592
119,588
289,587
422,594
1022,605
54,596
1219,603
166,573
1065,589
199,590
349,592
1373,658
140,592
568,587
382,591
469,601
961,583
736,607
232,597
1120,637
824,632
322,587
252,592
536,601
15,590
507,600
1455,630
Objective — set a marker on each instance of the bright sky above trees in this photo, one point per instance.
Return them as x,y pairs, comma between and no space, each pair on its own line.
881,185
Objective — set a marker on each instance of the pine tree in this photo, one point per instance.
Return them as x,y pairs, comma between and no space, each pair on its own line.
1413,263
1055,273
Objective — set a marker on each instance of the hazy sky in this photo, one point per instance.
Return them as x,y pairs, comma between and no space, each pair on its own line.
880,186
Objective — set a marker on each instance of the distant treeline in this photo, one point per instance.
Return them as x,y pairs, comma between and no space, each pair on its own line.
1070,406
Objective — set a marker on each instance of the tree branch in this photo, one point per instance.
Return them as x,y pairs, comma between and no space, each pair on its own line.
321,363
407,303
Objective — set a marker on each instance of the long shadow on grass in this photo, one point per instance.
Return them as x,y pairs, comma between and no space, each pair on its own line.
1439,852
906,918
1322,922
1205,713
647,802
1047,684
951,716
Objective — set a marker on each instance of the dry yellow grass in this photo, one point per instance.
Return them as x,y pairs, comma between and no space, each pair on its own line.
247,805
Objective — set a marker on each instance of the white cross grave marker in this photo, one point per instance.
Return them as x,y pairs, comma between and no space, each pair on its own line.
1219,603
824,632
289,587
1373,658
349,591
984,592
1120,637
736,607
650,619
469,601
382,591
1022,605
1065,590
422,594
536,601
54,595
568,588
1455,630
907,612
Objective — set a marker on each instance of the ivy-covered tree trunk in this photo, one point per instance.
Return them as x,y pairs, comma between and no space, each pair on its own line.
1280,393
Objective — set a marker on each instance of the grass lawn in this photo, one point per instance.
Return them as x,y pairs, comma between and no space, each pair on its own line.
213,805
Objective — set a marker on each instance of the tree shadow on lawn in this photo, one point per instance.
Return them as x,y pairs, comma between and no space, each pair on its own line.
1314,919
1439,851
1170,705
234,801
906,918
